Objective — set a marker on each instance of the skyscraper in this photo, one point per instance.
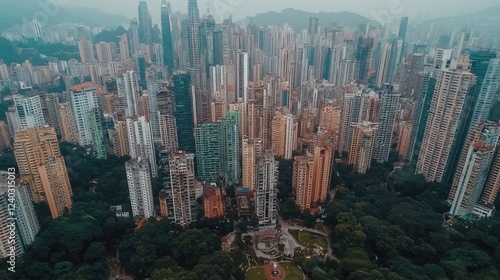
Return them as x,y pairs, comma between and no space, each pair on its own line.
168,51
139,186
168,130
85,107
313,25
184,112
404,137
251,149
38,157
28,111
473,168
242,76
386,120
67,124
86,50
426,83
284,134
362,146
403,28
7,233
124,48
128,87
266,189
182,187
452,88
145,23
302,182
477,105
140,138
104,52
133,36
383,66
26,220
195,59
208,151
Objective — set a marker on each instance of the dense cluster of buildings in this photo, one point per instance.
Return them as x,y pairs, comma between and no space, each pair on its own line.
207,106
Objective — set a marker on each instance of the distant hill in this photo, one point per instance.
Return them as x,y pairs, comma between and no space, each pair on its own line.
299,20
13,12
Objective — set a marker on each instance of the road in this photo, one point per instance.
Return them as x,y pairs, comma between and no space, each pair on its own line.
116,270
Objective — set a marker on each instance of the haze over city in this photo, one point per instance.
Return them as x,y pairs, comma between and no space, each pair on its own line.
424,9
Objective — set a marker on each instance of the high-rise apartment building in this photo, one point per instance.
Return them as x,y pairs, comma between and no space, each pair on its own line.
67,125
124,48
474,168
284,134
404,137
242,75
104,52
362,145
168,131
85,108
121,143
323,165
129,88
492,185
266,189
4,136
29,111
38,156
452,88
140,189
208,151
26,221
302,182
386,120
383,65
183,187
86,50
7,248
251,150
140,139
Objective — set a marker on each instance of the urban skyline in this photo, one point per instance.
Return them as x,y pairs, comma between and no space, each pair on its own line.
170,147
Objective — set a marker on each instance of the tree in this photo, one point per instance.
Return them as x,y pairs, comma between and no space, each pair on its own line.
192,244
95,252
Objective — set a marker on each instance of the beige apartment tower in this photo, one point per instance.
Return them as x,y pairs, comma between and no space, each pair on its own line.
38,155
448,100
362,145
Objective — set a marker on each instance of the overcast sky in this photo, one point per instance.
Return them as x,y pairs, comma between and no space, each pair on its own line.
243,8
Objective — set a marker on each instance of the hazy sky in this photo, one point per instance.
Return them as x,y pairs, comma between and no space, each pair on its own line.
243,8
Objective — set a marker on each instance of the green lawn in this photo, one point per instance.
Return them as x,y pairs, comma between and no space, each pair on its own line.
256,274
292,272
307,238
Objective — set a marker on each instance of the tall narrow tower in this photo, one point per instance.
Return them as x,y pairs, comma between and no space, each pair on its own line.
195,58
387,118
443,121
168,51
